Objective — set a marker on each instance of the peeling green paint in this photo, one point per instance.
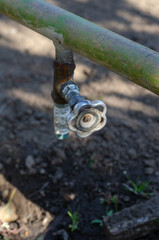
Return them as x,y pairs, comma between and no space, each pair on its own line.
127,58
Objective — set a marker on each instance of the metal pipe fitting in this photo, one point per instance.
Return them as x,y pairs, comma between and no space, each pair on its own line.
63,71
84,117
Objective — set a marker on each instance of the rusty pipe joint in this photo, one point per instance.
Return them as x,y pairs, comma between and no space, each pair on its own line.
86,116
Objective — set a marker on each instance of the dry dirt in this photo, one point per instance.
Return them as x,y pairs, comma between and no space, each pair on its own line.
75,173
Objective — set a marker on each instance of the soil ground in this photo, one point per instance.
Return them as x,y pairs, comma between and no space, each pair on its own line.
75,173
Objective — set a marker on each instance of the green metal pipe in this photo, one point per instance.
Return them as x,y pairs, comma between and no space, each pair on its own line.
127,58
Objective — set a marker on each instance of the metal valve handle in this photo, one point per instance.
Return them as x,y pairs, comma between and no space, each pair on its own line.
87,117
73,112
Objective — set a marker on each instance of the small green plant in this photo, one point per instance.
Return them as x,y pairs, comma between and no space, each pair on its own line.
115,202
111,199
98,221
75,220
138,188
107,214
91,161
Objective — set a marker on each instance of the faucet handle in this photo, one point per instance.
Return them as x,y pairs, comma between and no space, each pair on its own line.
87,117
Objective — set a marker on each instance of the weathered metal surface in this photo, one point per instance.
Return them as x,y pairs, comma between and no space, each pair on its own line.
133,222
129,59
63,71
85,117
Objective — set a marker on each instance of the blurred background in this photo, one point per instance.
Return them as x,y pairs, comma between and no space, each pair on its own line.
51,174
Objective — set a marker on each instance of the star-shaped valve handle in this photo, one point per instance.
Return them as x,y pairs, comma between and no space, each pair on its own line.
86,116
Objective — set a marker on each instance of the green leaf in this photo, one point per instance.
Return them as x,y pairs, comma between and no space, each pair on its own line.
109,213
97,221
69,214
